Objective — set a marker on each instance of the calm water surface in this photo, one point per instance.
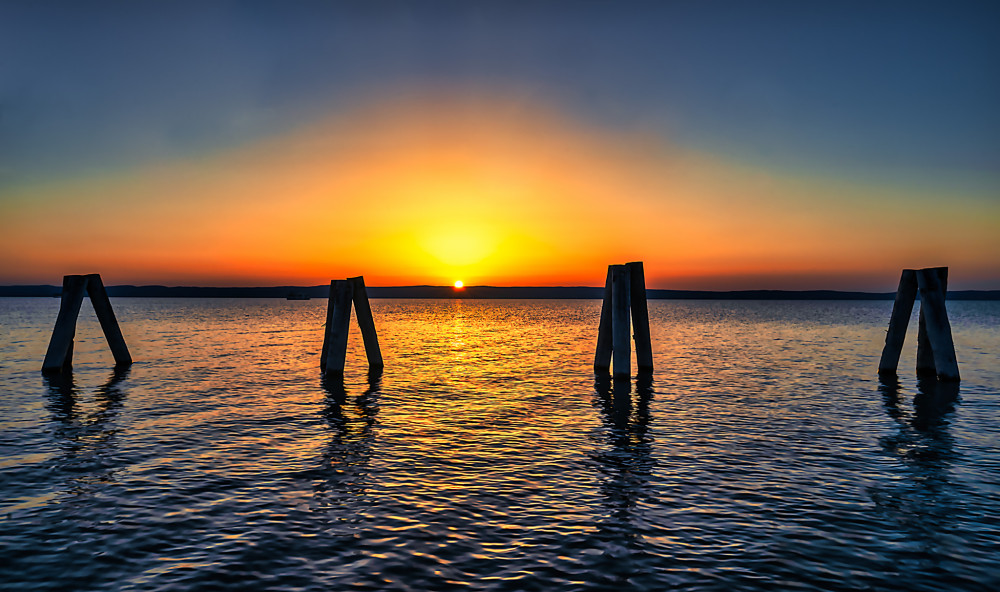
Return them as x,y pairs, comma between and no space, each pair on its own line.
763,454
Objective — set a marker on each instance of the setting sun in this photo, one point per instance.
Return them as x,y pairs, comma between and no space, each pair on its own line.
459,284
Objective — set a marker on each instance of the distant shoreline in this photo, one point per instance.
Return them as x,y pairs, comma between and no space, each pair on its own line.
478,293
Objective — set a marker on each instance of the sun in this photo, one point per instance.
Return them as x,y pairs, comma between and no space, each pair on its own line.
459,284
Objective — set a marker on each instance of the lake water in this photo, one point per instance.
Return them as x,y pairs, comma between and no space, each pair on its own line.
763,454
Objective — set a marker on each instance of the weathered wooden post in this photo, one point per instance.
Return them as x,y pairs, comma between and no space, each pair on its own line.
109,324
59,356
621,305
624,297
366,321
902,307
935,347
937,327
925,352
338,320
338,324
602,359
640,318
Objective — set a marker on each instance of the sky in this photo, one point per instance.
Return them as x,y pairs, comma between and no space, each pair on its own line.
728,145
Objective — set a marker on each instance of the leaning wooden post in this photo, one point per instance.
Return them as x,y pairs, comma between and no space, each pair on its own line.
925,352
363,309
620,325
59,355
938,328
640,317
331,299
901,310
602,359
341,293
106,315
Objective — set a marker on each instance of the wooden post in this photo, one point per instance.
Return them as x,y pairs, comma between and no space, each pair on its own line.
938,328
901,310
59,356
341,293
602,359
331,298
640,317
620,325
925,353
363,309
106,315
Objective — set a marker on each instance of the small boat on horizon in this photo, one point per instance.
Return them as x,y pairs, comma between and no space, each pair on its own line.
296,296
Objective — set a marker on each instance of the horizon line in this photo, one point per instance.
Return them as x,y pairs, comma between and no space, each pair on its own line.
474,292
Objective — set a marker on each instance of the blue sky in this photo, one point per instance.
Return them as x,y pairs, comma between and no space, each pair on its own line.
857,88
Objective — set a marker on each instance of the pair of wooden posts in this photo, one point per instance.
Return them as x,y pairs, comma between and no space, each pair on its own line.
624,292
338,320
59,356
935,347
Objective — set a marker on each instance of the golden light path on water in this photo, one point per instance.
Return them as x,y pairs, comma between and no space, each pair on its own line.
763,450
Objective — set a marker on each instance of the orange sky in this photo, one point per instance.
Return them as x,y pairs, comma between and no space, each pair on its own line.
433,188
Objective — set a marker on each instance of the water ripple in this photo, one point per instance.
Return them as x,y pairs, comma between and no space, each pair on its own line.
763,453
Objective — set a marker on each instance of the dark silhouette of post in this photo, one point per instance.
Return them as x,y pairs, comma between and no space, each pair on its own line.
338,324
640,318
906,293
338,321
925,352
937,328
602,359
621,305
623,309
109,324
59,356
367,322
935,346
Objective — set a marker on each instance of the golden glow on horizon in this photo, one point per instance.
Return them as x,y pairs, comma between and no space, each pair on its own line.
426,189
459,284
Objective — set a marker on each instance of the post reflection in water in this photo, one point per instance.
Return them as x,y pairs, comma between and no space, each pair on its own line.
85,434
923,504
348,453
625,462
